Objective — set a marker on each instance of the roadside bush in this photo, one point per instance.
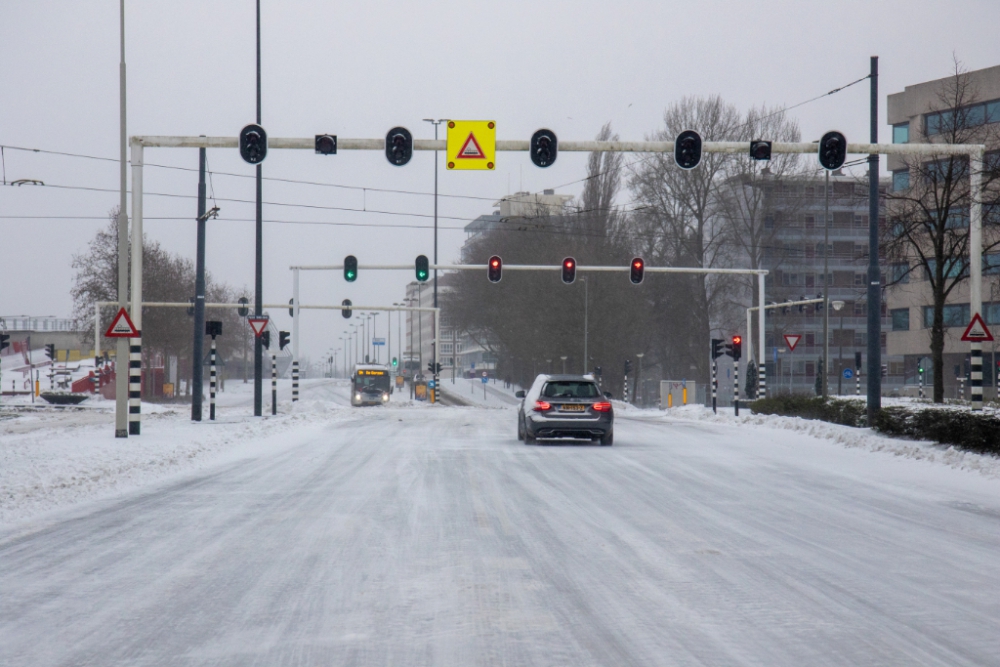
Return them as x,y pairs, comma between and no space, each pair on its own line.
965,430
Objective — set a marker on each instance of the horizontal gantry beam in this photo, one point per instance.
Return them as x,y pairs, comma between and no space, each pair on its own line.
527,267
346,144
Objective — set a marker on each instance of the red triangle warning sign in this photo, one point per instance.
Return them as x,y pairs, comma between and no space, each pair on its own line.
977,332
791,340
258,324
121,326
471,150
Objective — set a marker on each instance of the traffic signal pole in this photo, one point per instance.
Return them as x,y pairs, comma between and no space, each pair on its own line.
198,344
122,346
258,298
135,344
295,336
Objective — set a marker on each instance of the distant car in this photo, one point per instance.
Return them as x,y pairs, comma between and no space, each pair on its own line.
565,406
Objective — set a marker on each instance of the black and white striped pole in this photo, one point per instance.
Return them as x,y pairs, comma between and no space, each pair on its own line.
736,386
135,384
274,383
715,384
211,383
295,334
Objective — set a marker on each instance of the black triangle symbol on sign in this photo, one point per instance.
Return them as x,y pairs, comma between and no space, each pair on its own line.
471,150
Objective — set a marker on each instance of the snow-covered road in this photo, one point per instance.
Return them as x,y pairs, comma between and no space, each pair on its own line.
410,536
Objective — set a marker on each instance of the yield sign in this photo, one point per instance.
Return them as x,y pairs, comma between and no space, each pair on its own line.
791,340
258,324
977,332
471,144
121,326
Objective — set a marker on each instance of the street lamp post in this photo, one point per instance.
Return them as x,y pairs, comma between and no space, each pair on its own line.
638,378
564,357
586,299
375,347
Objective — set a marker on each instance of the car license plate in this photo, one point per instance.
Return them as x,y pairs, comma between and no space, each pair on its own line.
574,408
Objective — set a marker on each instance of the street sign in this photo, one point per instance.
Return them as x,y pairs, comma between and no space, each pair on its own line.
977,332
258,324
430,384
792,340
484,374
485,379
848,373
378,341
121,326
472,144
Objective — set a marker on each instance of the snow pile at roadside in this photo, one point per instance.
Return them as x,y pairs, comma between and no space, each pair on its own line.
49,461
847,436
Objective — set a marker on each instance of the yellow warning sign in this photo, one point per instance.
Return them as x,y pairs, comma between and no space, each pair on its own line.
472,144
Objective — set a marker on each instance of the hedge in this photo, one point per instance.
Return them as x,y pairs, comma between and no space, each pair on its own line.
973,431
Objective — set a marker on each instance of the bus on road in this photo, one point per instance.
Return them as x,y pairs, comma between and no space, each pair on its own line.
370,384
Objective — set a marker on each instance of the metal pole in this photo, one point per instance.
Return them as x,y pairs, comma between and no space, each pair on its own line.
258,301
295,336
840,358
198,353
211,383
874,271
122,346
135,344
826,286
715,383
586,323
762,366
274,383
976,274
437,351
736,387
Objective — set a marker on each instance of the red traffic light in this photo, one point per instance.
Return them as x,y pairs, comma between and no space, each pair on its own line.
737,339
636,270
494,269
569,270
737,348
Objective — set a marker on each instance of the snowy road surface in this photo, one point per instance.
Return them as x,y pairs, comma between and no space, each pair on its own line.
408,536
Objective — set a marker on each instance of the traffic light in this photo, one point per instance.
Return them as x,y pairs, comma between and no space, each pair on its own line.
423,268
398,146
190,309
326,144
687,149
350,268
244,309
802,306
636,270
544,148
819,309
784,308
857,360
494,269
265,340
283,337
430,368
3,341
568,270
760,150
50,351
628,366
719,348
253,144
920,368
395,362
832,150
737,348
598,371
291,307
346,311
213,328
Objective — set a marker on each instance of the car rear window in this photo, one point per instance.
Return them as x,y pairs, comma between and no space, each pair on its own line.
570,389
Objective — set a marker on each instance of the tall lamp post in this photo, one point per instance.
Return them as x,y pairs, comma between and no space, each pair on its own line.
838,306
564,357
586,327
375,347
638,378
435,123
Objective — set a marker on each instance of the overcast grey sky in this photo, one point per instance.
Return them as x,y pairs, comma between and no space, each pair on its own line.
358,68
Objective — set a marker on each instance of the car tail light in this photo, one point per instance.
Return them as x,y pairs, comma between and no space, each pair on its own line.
542,406
603,406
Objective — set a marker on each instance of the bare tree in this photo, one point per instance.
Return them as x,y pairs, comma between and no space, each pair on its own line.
928,230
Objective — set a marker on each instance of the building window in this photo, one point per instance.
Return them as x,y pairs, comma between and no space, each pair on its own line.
901,133
900,180
859,280
900,273
900,319
955,315
991,313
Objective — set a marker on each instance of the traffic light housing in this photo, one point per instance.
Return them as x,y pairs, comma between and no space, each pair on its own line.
737,347
628,366
213,328
346,311
398,146
283,339
326,144
819,308
350,268
423,268
190,309
832,150
718,348
431,368
395,362
568,270
50,351
291,307
544,148
802,306
253,144
265,340
4,338
244,308
636,270
687,149
760,150
494,269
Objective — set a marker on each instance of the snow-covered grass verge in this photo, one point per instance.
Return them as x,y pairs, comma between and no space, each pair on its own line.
51,460
846,436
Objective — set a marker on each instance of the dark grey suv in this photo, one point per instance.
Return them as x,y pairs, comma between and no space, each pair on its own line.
565,406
